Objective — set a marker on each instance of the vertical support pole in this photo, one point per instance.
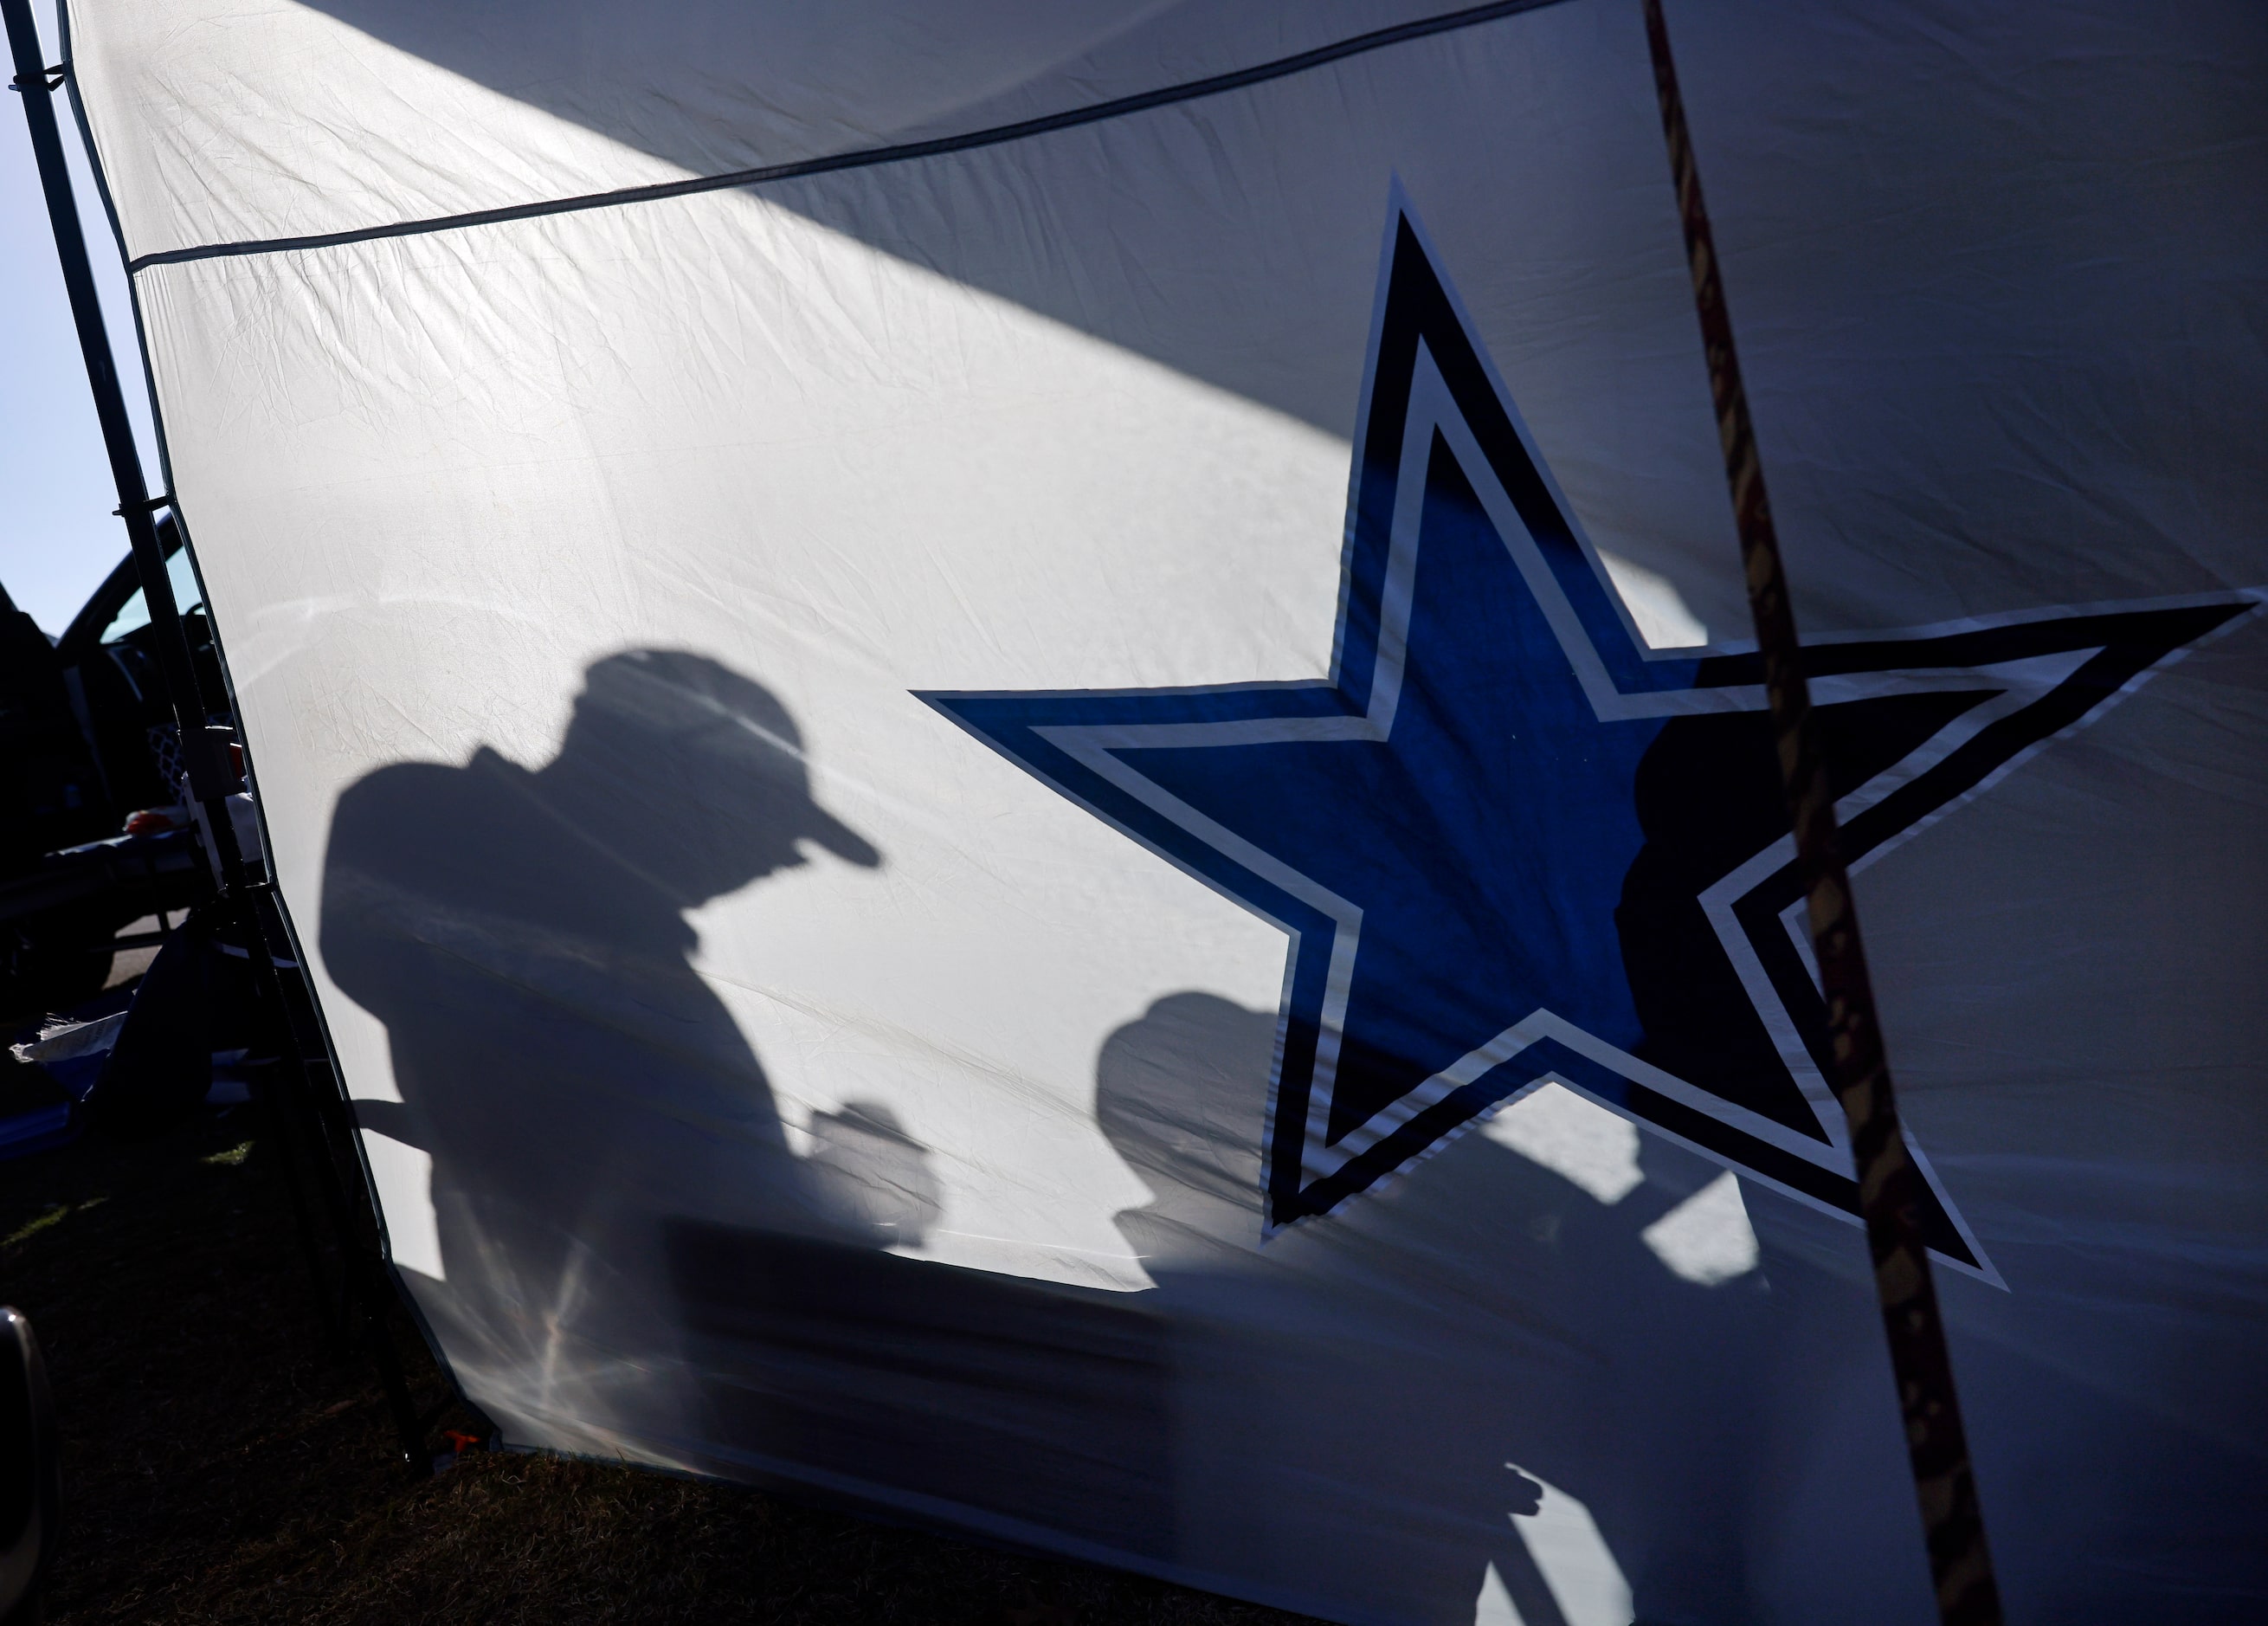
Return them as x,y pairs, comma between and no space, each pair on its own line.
210,778
1890,1186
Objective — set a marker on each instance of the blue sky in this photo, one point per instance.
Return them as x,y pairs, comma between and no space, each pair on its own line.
58,537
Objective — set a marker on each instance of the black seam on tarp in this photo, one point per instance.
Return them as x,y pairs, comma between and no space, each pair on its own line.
867,158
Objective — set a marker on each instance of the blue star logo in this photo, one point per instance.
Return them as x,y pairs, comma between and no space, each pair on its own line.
1508,843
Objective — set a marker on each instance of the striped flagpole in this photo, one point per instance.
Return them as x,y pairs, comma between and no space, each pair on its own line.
1890,1187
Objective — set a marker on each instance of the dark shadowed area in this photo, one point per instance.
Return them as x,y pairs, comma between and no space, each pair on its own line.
221,1465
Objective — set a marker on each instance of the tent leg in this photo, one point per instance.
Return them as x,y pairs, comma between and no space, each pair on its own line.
302,1219
368,1292
212,780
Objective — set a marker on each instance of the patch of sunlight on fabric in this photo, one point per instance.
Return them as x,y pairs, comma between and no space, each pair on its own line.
1706,1239
1578,1140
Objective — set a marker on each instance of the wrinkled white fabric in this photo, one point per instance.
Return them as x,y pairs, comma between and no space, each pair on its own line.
1075,411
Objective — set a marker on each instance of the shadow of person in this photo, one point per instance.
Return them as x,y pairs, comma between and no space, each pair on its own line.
522,935
1478,1383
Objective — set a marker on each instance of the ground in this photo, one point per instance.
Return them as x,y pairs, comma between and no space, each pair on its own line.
223,1464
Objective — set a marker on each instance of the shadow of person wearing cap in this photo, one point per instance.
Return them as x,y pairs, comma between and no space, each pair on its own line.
522,934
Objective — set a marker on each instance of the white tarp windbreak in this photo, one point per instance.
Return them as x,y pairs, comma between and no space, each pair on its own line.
1019,818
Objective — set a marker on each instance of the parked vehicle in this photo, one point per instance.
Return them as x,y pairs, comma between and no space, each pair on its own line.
30,1478
95,834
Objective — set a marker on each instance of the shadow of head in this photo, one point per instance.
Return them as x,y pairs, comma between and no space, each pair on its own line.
1182,1094
695,774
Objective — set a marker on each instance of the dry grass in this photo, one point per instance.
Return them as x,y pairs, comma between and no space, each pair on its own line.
223,1465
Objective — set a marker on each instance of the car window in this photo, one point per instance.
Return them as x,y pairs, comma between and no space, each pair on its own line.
134,614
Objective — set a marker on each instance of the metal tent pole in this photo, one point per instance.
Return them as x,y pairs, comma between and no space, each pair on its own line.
1890,1188
211,778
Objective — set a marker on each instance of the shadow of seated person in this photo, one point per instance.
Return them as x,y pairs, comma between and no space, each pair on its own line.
522,934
